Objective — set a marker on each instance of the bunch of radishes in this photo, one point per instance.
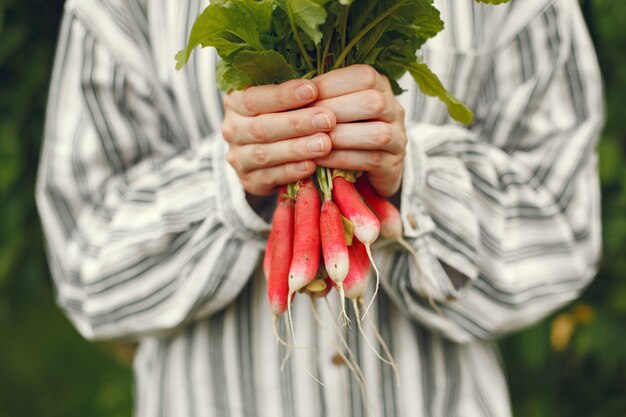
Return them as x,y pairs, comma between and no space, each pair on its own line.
322,232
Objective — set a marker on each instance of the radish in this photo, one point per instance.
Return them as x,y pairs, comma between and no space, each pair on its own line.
358,274
282,251
267,258
305,260
366,224
352,206
355,285
390,222
306,245
388,214
334,248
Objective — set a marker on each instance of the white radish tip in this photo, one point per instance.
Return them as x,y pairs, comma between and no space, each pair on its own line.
338,267
367,232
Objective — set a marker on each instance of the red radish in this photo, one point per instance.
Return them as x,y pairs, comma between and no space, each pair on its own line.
366,224
282,251
267,258
352,206
390,222
306,246
356,281
334,248
388,214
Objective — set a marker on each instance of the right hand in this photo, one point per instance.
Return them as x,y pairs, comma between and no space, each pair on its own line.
273,139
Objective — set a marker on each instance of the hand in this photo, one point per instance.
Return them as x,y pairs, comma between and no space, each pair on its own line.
273,138
370,134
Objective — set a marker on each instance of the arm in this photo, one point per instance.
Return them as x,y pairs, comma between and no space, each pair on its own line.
505,216
144,230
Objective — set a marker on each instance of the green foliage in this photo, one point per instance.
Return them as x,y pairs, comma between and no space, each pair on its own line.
588,378
48,370
258,47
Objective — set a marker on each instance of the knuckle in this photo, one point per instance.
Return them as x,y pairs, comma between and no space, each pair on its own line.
297,124
231,158
290,173
376,102
401,111
228,101
376,160
260,156
249,103
369,76
267,181
246,183
257,130
383,136
282,95
228,130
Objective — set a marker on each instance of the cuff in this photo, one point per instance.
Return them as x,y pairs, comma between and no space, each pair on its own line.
232,207
446,274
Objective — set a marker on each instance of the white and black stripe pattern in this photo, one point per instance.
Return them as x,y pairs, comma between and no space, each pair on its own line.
150,237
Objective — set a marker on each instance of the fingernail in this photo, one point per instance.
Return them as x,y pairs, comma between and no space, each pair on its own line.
316,145
321,121
305,92
304,166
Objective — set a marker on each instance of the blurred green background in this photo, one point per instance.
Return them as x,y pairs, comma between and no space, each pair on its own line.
572,364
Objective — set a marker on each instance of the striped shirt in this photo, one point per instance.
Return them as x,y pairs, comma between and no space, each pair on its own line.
150,237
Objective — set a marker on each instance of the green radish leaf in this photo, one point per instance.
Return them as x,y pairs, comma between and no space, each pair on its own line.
228,29
308,15
259,10
430,85
493,1
230,78
266,67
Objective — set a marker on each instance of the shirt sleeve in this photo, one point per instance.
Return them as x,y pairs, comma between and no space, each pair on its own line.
505,215
144,231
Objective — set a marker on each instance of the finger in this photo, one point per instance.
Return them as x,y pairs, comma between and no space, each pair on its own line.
350,80
271,98
362,105
384,169
356,160
368,136
273,127
251,157
265,181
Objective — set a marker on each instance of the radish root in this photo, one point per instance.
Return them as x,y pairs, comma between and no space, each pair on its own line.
369,255
350,360
342,298
383,344
355,305
296,347
278,338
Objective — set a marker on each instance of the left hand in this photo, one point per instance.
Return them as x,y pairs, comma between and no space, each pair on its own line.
370,135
